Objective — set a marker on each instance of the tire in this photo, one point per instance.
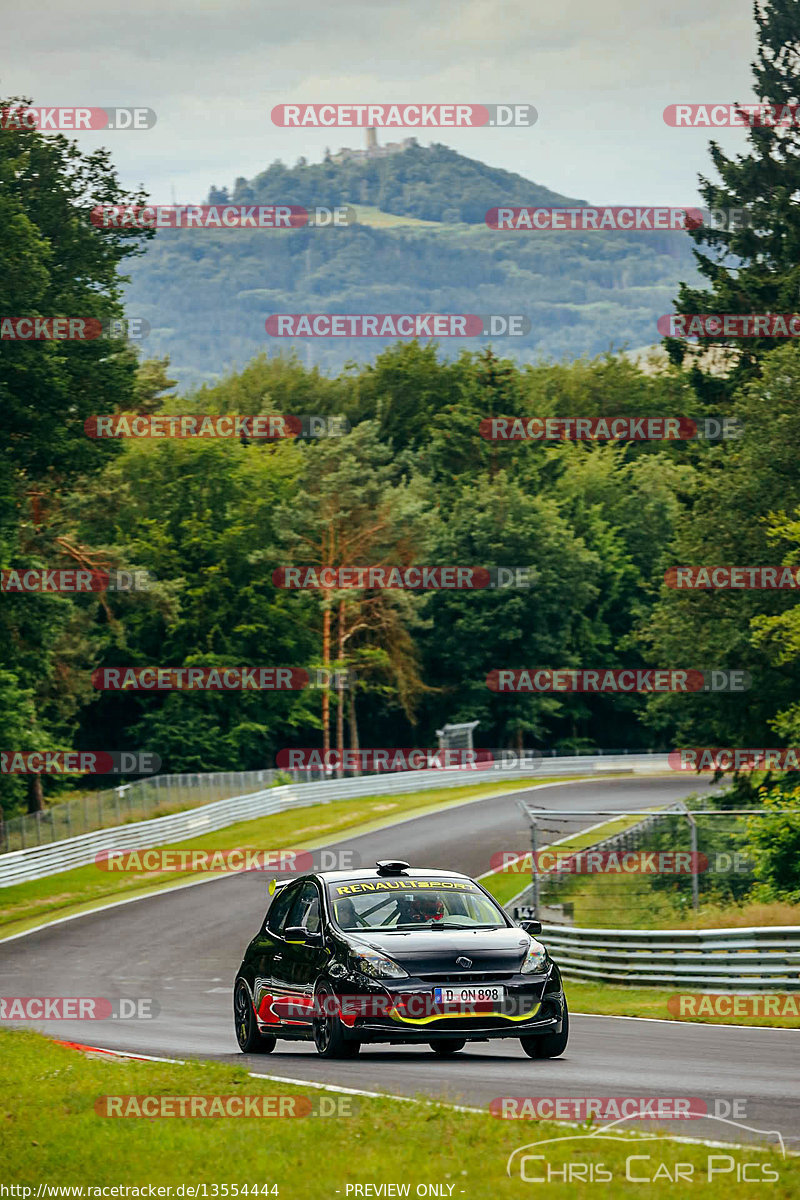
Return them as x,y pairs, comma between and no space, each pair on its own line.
250,1040
329,1035
548,1045
449,1048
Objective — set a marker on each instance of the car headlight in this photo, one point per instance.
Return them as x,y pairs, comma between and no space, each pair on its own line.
535,960
377,966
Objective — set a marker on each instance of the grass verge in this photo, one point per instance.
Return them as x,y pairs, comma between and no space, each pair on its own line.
52,1134
26,905
608,999
637,902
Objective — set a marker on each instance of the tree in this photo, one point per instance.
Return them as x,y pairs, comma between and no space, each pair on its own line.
732,516
56,264
359,506
201,518
754,266
774,845
152,382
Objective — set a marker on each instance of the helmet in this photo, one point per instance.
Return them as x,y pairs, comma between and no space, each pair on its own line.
421,908
346,913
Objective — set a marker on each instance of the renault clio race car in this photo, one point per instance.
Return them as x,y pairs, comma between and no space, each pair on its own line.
396,955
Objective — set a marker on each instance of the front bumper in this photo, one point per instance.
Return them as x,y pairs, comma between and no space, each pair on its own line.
530,1008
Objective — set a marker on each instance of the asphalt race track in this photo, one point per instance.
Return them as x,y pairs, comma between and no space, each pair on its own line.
182,948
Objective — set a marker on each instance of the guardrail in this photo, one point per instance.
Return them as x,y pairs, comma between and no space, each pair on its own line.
158,795
751,959
140,800
35,862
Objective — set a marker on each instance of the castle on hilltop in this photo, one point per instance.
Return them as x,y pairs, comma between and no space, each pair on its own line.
373,150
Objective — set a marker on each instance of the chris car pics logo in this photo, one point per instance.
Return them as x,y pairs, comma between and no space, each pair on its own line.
574,1158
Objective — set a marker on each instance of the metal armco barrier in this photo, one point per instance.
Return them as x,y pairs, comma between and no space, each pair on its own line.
752,959
19,866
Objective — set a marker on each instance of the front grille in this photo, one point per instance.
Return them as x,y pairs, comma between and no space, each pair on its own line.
468,977
469,1024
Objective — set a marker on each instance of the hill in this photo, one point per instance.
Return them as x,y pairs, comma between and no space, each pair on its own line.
207,293
432,183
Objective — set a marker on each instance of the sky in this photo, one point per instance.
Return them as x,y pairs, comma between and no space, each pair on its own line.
599,74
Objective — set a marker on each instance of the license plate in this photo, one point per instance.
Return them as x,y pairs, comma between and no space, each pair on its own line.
469,995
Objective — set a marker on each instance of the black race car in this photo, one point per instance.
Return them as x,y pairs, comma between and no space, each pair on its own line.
396,955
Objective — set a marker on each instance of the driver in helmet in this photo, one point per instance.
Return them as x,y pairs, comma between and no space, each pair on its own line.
420,908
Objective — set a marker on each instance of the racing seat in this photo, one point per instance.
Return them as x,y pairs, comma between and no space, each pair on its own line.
346,913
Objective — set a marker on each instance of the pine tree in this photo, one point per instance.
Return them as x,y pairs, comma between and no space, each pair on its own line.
754,261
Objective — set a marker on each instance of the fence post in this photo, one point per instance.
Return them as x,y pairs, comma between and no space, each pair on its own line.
695,876
535,867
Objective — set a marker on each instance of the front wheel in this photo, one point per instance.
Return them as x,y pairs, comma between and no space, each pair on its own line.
446,1049
329,1035
250,1040
548,1045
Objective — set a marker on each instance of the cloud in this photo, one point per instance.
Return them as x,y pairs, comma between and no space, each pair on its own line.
599,74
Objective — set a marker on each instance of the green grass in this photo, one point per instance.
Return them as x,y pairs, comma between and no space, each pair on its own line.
606,998
25,905
506,883
52,1134
634,902
368,214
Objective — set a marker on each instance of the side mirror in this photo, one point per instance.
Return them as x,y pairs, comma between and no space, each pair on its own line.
296,933
525,915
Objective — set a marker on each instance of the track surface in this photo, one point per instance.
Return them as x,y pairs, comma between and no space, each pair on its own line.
182,948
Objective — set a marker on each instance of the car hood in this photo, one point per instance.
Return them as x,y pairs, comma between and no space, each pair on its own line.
436,950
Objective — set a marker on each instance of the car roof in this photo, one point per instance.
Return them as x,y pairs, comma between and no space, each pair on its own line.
374,873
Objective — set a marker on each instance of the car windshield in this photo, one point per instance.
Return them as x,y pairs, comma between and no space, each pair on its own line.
409,904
